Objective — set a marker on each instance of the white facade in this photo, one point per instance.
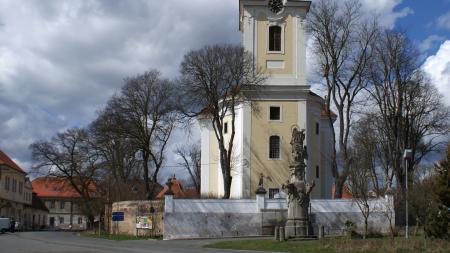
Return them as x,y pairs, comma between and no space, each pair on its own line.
286,88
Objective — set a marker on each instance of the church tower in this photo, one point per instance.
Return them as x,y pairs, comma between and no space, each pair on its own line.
274,32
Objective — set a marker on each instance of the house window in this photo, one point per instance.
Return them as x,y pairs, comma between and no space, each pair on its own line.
225,128
317,128
273,192
317,172
62,204
80,220
61,220
275,38
274,147
275,113
20,187
52,204
7,183
14,185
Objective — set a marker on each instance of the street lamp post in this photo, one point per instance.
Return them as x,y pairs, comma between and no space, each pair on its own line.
407,156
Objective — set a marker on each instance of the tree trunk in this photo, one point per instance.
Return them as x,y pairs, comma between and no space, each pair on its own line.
339,187
365,228
148,191
227,185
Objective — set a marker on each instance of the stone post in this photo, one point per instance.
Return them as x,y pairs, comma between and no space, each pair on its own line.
168,198
282,234
321,232
260,201
277,233
168,203
260,195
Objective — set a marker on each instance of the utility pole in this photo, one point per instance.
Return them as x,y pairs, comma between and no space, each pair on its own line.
407,156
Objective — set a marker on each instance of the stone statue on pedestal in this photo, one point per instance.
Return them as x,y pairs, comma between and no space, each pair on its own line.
297,189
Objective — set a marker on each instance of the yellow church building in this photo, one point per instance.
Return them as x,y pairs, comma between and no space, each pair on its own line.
274,32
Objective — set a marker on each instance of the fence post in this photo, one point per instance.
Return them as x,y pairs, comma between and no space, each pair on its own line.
260,202
282,234
260,198
321,232
168,203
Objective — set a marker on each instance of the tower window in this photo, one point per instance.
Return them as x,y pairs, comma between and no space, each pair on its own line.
274,147
225,128
275,38
274,113
317,172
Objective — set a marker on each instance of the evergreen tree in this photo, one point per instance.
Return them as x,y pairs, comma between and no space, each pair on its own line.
439,212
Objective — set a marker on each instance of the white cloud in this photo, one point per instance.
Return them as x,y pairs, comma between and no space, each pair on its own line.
438,68
430,42
385,9
444,21
61,60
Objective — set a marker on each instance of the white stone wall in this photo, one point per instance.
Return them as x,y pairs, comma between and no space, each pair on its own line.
216,218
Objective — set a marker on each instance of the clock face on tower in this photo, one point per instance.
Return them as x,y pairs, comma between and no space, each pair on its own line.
276,6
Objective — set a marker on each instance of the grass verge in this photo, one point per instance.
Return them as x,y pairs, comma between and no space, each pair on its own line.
331,245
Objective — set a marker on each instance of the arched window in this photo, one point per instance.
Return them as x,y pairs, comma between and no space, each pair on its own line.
274,147
275,38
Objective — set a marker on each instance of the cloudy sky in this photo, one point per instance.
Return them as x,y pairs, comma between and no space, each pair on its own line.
61,60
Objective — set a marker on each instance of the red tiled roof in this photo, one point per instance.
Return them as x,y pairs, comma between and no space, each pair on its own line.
178,191
54,187
5,160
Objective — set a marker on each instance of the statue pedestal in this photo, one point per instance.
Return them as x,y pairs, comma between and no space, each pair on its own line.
297,189
296,228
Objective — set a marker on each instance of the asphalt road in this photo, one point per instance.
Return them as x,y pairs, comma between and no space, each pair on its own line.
67,242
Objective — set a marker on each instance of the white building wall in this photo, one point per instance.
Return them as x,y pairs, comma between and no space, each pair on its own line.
218,218
205,142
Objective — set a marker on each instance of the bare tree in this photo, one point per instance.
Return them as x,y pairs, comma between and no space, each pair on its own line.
190,154
359,182
146,112
408,110
120,166
69,156
365,150
342,42
214,80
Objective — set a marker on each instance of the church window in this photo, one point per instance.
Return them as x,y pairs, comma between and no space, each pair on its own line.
275,38
273,192
274,147
274,113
